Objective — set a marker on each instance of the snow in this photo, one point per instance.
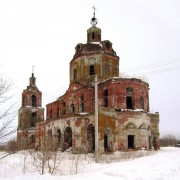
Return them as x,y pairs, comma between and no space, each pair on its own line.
96,43
163,164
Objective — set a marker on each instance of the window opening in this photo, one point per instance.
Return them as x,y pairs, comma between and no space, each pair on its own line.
75,74
34,100
129,102
33,119
59,137
91,70
72,108
141,103
57,114
64,107
51,113
32,139
82,103
93,35
106,98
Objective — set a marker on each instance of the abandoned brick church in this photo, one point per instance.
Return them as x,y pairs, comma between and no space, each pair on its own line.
124,117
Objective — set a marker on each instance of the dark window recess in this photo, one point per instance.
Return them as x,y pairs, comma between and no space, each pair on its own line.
34,100
72,108
51,113
57,114
129,90
141,103
75,74
82,103
33,119
32,139
93,35
91,70
67,138
129,102
106,98
64,107
90,138
59,137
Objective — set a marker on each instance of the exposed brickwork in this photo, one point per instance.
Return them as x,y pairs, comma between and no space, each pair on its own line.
124,119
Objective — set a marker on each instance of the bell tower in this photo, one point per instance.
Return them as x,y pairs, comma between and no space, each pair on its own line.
30,113
97,56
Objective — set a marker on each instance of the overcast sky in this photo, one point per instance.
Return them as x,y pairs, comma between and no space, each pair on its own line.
44,33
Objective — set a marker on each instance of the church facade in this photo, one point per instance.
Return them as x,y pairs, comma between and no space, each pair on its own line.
124,118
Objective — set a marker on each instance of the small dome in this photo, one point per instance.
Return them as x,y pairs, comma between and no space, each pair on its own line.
94,34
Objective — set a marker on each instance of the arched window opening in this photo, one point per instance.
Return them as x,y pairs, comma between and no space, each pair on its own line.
67,138
23,100
32,139
106,98
91,70
51,112
141,103
57,114
64,107
90,138
129,102
75,74
33,119
34,100
93,35
72,108
129,91
82,103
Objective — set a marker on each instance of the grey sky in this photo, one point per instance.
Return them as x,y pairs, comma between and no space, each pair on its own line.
44,33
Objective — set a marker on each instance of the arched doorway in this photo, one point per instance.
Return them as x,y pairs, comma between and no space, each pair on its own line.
90,138
67,138
108,140
58,137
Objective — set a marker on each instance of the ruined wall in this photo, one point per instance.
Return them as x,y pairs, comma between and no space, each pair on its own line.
136,124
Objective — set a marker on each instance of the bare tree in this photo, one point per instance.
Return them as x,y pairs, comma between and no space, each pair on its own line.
46,155
7,111
168,140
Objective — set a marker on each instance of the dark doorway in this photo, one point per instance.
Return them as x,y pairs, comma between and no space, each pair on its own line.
130,141
90,138
105,143
67,138
59,137
108,140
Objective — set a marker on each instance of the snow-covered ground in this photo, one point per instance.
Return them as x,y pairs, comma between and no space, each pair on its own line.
161,165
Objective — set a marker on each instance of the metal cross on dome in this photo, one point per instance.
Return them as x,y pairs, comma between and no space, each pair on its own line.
94,20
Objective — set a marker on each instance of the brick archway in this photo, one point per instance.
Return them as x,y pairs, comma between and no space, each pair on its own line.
67,138
90,138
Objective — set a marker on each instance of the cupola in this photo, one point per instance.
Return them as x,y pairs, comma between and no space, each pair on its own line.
94,33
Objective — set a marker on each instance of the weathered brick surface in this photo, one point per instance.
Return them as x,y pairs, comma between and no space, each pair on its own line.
124,119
